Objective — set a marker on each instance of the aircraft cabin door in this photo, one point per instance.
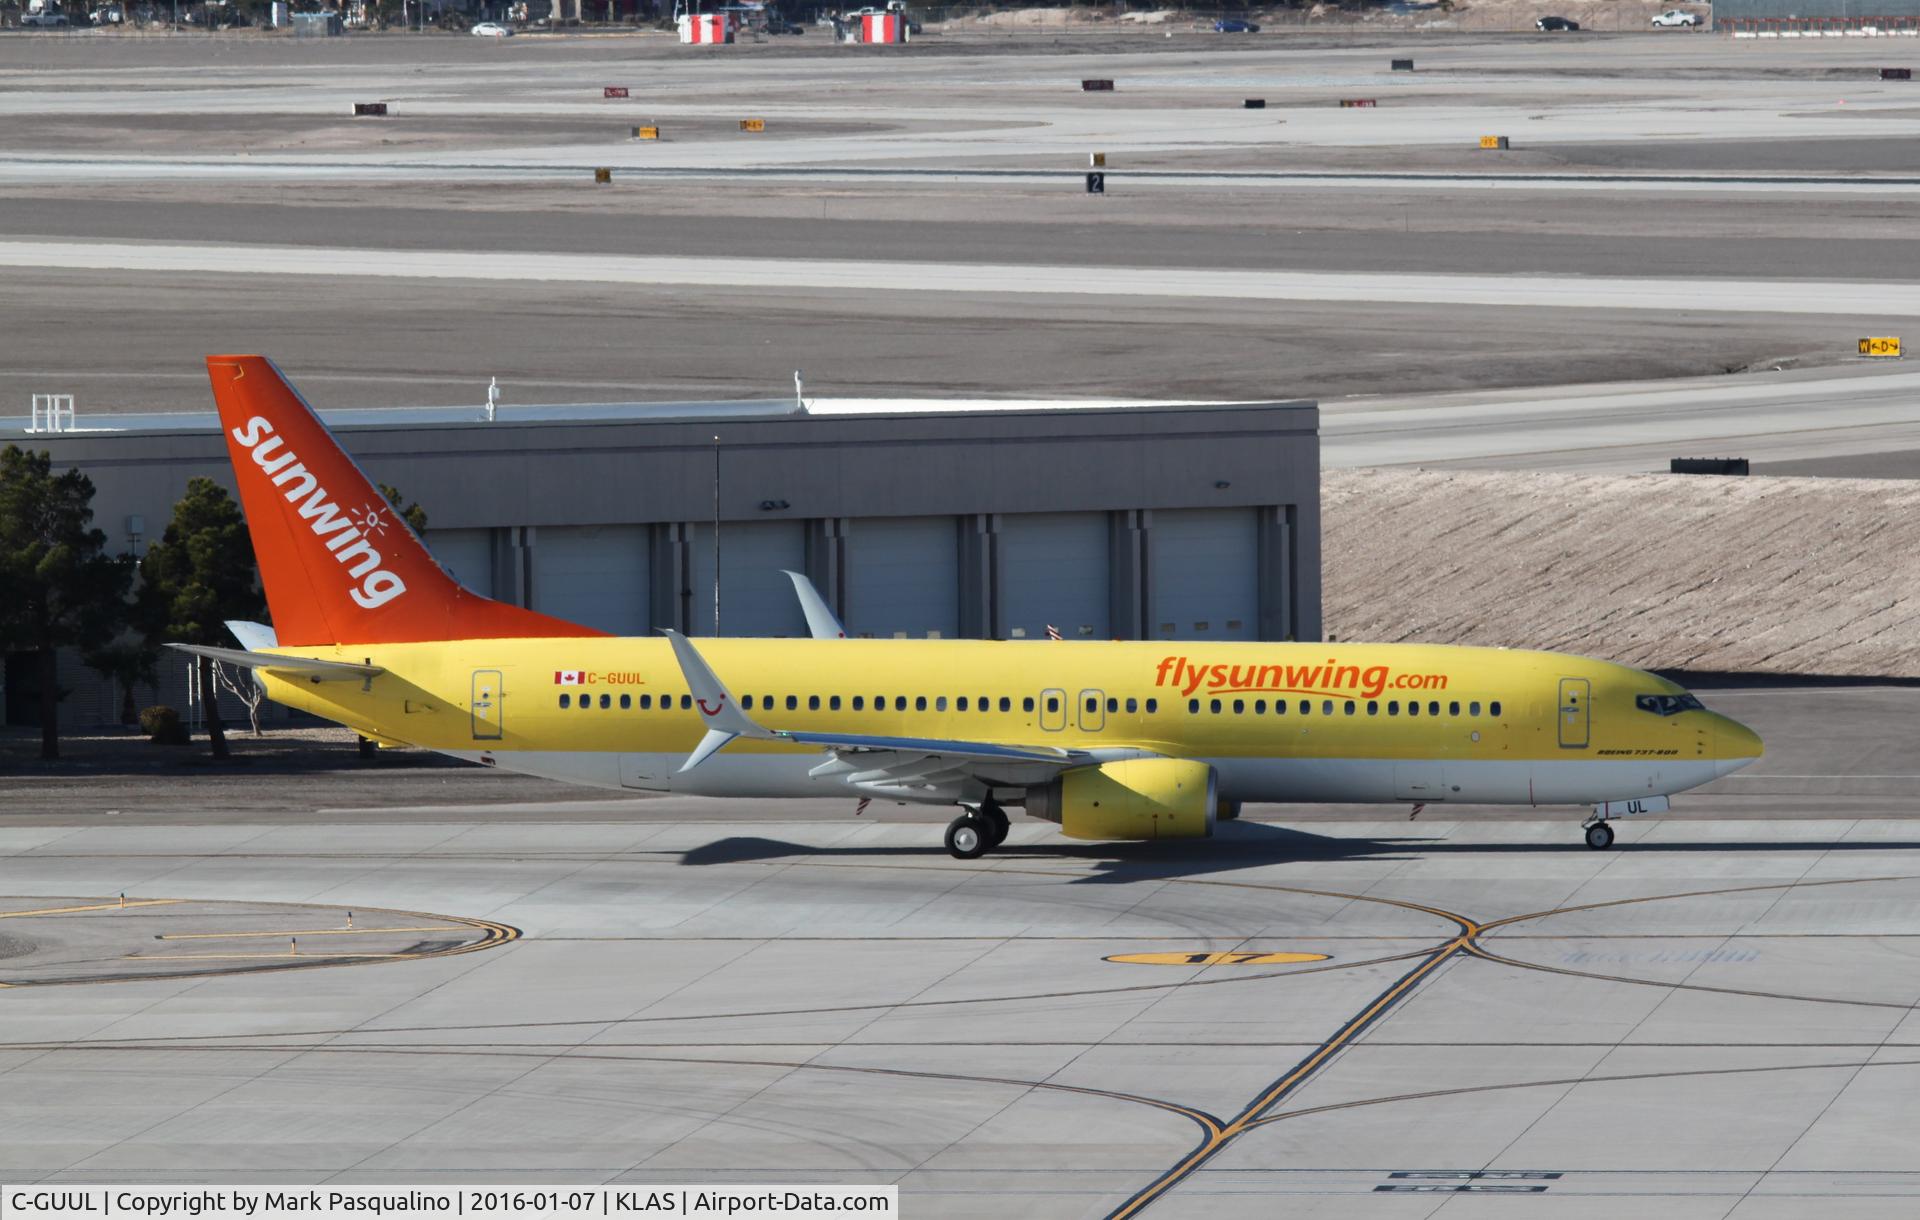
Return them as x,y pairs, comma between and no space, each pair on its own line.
1053,710
489,693
1575,694
1092,711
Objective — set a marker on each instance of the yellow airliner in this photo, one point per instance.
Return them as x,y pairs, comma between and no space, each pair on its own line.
1124,740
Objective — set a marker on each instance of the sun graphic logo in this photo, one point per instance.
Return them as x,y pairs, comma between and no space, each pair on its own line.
372,519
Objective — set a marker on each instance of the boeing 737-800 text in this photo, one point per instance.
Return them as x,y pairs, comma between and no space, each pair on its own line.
1122,740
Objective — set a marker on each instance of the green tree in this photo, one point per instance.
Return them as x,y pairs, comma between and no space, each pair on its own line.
197,577
412,514
62,588
127,661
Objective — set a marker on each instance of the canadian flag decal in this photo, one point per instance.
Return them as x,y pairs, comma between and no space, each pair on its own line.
569,677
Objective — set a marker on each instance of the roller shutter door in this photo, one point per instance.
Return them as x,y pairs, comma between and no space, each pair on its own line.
1054,569
468,554
594,575
755,599
1205,574
903,577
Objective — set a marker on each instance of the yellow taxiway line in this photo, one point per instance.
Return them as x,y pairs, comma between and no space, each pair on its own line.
301,932
104,906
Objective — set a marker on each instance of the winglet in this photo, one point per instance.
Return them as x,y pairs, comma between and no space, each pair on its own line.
719,711
821,623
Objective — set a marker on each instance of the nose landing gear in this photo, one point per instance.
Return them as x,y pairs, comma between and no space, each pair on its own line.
1599,836
979,830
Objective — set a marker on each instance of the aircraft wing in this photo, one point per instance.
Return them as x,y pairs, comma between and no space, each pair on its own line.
894,765
296,667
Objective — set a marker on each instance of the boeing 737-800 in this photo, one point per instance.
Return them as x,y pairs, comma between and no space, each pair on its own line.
1121,740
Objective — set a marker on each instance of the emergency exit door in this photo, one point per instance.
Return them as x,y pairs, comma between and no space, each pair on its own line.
488,694
1574,727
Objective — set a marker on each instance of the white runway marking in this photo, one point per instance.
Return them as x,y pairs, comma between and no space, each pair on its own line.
1526,291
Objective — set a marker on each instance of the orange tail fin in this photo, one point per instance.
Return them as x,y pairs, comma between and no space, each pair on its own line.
338,564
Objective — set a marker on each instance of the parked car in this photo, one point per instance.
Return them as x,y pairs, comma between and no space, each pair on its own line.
492,29
1674,16
1553,24
44,20
1234,25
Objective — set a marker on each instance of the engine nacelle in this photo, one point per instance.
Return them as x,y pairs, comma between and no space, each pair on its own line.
1138,798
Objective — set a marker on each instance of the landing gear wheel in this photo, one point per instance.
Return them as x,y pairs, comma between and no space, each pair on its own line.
967,837
996,823
1599,836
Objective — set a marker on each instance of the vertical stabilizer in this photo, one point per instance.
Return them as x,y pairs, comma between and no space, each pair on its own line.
338,564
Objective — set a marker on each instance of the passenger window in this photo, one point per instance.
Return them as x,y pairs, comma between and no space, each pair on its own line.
1453,709
1306,708
1393,707
793,703
1433,708
1326,707
960,704
686,702
919,703
1133,705
1093,705
1053,703
813,703
1373,707
833,703
646,702
899,703
1239,707
746,703
859,703
1153,705
606,701
1279,707
626,701
1413,707
1006,704
1351,705
1493,709
566,700
1259,707
1027,703
1113,705
1193,707
1473,709
940,704
1216,707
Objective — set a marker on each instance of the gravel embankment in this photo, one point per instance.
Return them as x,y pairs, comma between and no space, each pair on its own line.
1767,575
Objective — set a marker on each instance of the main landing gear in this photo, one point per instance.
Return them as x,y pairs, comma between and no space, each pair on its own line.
979,830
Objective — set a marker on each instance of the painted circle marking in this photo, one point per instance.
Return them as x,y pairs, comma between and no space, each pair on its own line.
1214,959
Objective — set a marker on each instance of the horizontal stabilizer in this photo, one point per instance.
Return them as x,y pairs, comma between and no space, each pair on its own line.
303,667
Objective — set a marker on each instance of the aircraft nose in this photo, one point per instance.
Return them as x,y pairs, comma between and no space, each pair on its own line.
1735,745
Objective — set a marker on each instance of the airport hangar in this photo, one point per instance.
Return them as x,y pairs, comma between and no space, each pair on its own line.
914,519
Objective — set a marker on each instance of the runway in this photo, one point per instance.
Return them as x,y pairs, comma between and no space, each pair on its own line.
1898,300
1626,428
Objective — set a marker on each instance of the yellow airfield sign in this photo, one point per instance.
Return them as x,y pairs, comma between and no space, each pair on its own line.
1888,345
1214,959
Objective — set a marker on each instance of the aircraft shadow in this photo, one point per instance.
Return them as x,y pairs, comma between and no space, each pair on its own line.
1238,845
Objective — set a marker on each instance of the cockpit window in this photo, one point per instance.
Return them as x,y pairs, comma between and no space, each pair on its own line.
1667,705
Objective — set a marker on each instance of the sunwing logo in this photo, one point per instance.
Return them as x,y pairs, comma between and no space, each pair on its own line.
1331,677
348,542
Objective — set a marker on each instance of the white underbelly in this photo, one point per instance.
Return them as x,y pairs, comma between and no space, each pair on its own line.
1573,781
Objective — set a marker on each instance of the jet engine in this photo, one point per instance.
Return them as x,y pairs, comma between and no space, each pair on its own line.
1137,798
